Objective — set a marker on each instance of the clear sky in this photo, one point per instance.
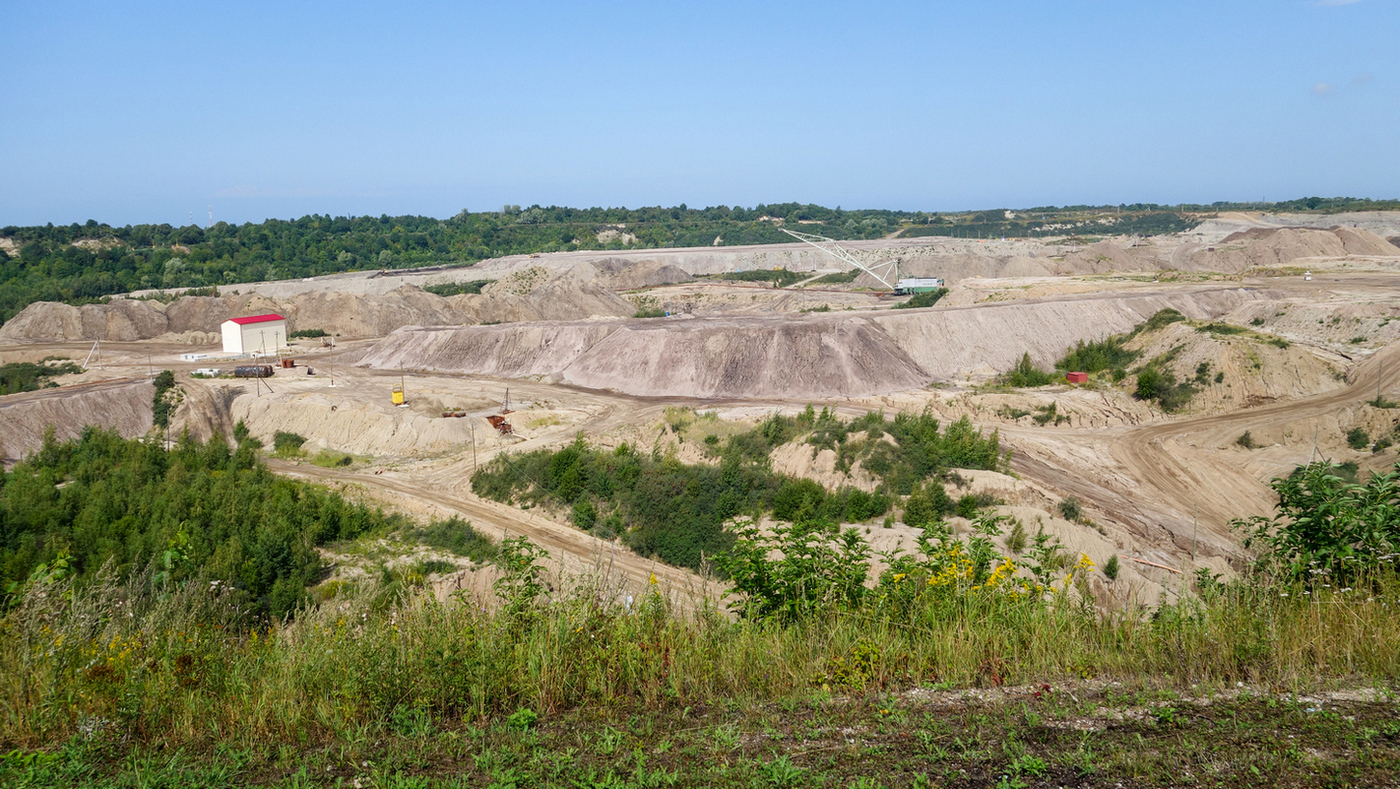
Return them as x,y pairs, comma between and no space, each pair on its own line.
149,112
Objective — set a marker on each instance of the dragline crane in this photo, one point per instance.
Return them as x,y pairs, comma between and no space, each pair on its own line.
886,272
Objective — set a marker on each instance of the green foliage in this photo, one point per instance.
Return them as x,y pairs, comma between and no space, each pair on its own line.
285,444
1025,375
459,537
521,583
457,288
650,312
1358,438
307,334
918,300
1110,568
1096,356
1325,523
196,510
838,278
779,277
26,376
1071,509
676,512
160,414
1219,328
818,570
1158,383
1246,440
927,505
1381,402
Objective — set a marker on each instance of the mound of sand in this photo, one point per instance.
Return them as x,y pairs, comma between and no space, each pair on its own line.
534,295
1364,242
1262,247
812,357
821,355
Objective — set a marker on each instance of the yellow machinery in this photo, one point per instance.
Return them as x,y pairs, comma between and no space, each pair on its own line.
398,395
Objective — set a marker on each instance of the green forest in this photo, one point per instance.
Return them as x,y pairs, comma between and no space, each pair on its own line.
197,510
82,263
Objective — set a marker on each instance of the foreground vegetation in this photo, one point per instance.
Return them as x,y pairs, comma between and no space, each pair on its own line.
133,682
951,664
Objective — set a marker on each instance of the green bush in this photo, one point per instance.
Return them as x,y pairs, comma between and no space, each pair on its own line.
1110,568
285,444
457,288
1027,375
918,300
1358,438
161,405
1071,509
1328,525
457,536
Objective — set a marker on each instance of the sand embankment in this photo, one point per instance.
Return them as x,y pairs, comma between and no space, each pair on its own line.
816,356
124,406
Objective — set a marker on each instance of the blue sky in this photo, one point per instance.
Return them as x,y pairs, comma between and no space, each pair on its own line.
148,112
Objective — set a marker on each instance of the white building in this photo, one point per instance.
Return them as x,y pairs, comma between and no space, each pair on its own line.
255,334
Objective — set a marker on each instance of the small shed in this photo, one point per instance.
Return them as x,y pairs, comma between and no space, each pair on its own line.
255,334
1077,378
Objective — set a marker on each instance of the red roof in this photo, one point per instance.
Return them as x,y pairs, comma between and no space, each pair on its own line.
271,316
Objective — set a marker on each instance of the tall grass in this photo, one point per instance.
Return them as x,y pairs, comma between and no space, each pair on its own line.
175,667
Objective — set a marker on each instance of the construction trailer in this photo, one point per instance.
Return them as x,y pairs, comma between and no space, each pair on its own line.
255,334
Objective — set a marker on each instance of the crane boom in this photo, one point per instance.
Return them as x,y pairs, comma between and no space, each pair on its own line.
887,272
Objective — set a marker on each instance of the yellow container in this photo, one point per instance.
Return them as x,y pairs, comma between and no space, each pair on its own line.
398,395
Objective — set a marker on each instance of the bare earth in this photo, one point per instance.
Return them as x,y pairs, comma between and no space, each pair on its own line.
1163,488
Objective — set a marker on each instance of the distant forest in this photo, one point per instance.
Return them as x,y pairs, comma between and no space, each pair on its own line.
82,263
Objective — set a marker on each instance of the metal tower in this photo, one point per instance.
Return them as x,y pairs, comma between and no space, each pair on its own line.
887,272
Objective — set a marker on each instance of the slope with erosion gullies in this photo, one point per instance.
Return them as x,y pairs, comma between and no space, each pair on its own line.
123,406
818,355
986,339
709,358
507,351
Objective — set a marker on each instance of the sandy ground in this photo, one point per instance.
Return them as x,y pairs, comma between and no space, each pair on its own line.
1160,488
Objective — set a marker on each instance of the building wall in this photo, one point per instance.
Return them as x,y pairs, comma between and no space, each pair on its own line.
272,334
233,338
252,337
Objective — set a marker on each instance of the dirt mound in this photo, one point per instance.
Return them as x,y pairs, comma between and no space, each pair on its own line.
820,355
535,294
987,339
124,406
1258,247
812,357
1100,258
509,351
619,274
1364,242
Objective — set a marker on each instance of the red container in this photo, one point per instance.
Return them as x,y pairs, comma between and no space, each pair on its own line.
1077,378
